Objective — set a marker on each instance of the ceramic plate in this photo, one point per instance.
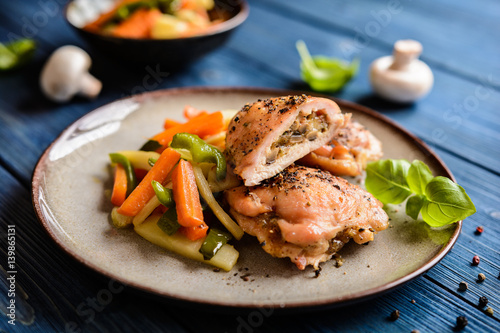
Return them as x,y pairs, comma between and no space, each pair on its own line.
71,185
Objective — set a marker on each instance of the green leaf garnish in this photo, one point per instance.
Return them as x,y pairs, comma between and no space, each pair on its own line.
446,202
413,206
386,180
16,54
419,175
325,74
438,199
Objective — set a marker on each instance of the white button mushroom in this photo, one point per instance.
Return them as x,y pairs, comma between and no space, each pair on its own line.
401,77
66,74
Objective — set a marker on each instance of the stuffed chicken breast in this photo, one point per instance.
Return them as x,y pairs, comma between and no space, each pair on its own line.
267,136
306,214
347,153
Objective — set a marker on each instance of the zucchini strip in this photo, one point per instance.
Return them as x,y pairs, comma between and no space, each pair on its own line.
139,159
146,211
225,258
206,193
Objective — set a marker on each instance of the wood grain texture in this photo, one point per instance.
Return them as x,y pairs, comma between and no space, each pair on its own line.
459,119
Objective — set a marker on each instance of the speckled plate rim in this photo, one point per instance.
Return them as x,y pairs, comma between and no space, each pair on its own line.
40,168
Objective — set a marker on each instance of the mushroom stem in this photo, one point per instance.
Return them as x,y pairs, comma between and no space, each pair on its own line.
89,86
405,51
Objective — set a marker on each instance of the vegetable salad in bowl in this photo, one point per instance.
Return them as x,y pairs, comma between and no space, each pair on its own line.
157,19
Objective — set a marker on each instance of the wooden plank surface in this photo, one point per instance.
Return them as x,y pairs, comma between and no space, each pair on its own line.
459,119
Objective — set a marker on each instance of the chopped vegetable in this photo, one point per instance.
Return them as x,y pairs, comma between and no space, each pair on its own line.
144,191
120,186
129,170
201,151
163,194
140,159
186,197
169,123
171,19
138,25
119,220
150,145
148,208
194,233
207,195
16,53
208,124
324,73
438,199
214,241
168,222
225,258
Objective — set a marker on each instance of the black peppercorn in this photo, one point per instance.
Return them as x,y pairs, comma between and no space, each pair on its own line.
483,301
462,286
394,315
461,322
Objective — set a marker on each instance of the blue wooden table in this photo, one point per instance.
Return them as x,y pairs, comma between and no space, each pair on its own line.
459,119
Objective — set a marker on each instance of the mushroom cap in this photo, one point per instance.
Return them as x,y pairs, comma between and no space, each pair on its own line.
65,74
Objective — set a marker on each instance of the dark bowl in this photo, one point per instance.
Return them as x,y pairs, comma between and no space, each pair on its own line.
172,54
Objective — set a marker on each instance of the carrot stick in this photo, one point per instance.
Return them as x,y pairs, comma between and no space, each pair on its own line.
190,112
95,26
186,196
144,191
120,186
204,125
169,123
194,233
138,25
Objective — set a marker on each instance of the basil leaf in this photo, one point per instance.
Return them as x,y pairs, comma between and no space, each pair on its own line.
418,177
386,180
413,206
446,202
326,74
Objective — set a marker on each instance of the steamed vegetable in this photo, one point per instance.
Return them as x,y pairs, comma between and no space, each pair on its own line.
225,258
207,195
129,170
120,186
186,197
201,152
144,191
439,200
208,124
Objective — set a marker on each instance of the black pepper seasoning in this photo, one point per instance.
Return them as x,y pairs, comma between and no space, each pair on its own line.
461,322
463,286
483,301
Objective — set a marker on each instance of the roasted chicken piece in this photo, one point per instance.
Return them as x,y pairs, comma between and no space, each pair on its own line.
306,214
265,137
347,153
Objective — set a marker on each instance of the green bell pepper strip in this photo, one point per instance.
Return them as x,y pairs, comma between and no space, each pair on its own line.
168,222
150,145
213,242
129,170
201,151
163,194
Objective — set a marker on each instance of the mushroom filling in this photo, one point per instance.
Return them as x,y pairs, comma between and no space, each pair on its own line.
305,127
